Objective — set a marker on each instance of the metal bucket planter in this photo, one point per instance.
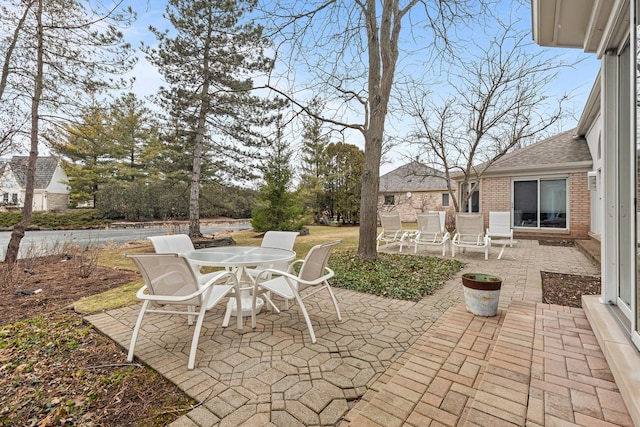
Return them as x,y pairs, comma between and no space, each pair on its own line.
481,293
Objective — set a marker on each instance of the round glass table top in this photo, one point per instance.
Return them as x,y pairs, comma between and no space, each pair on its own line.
237,256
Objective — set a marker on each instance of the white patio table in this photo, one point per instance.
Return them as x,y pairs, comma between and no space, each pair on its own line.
238,258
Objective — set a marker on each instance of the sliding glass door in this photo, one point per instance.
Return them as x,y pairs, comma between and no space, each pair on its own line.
540,203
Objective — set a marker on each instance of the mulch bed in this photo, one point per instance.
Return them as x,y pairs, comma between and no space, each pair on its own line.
567,289
58,280
55,369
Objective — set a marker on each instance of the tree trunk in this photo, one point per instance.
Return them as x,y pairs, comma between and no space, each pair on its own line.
19,229
369,193
382,56
194,197
198,148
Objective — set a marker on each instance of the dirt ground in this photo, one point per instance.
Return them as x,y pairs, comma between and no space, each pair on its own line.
567,289
74,388
55,370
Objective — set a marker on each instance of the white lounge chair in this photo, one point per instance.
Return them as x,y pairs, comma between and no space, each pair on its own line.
443,219
313,273
470,234
392,230
430,232
500,226
170,283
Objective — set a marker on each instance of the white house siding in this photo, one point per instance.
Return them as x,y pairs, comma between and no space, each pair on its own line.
594,139
58,182
10,187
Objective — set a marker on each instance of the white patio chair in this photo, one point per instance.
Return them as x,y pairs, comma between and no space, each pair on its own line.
470,234
430,232
500,226
443,219
275,239
179,244
170,283
280,240
392,230
313,273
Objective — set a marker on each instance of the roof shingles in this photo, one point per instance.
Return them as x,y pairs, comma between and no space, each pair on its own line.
45,168
413,176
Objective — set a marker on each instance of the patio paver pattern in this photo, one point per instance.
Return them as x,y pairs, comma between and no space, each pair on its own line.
393,362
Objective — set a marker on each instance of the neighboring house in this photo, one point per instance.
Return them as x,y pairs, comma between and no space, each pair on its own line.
50,193
544,187
414,188
609,29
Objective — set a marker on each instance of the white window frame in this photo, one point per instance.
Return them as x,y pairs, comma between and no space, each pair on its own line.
538,179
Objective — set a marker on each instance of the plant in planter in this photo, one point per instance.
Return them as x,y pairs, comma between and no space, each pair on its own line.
481,293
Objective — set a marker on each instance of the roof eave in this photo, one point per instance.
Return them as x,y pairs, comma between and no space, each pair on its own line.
556,168
570,23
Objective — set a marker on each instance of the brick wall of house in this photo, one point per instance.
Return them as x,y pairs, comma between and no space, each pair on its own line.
579,205
410,207
495,195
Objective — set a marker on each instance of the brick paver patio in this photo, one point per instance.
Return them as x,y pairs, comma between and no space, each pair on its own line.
393,362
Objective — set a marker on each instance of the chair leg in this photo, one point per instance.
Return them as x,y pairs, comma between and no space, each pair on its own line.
253,305
136,330
333,298
196,337
306,317
190,317
239,308
270,302
227,314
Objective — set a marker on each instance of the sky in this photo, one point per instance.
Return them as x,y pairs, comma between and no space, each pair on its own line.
576,82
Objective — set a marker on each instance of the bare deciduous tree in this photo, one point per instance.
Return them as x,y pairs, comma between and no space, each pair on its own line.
499,102
64,53
348,52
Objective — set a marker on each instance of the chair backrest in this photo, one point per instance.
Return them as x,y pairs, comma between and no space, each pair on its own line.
469,224
500,223
279,239
390,222
443,219
429,224
172,243
316,260
167,275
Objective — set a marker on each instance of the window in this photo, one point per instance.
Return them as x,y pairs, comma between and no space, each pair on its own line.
473,204
540,203
445,199
5,198
14,198
389,200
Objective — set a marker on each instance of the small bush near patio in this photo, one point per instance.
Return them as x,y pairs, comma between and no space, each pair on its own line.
406,277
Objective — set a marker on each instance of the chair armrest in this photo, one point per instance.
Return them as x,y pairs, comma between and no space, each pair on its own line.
270,271
201,289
